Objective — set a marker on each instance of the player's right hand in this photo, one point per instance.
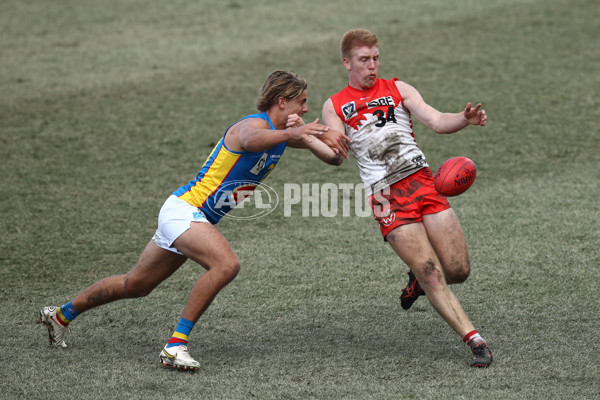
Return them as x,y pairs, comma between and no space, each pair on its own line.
338,141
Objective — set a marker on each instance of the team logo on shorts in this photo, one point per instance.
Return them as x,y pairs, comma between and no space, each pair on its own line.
199,216
387,221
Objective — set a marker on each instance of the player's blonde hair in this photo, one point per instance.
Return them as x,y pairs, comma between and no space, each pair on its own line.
286,84
356,38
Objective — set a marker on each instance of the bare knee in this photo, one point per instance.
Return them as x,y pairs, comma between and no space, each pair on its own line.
133,287
459,272
231,269
227,269
432,276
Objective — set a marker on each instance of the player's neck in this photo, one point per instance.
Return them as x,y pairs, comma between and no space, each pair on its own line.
277,119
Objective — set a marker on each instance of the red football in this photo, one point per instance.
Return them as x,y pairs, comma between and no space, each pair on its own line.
454,176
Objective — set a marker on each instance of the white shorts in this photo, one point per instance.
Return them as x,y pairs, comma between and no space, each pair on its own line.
174,218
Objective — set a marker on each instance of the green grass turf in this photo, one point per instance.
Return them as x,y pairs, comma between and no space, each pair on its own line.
106,107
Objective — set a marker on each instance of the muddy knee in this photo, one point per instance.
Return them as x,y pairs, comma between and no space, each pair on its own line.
459,272
431,275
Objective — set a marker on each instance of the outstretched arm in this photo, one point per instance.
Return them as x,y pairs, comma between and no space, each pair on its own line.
435,120
324,152
254,134
314,144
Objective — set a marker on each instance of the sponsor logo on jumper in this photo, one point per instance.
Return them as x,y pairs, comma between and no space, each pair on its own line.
382,101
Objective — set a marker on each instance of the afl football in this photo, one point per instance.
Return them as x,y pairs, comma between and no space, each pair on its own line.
455,176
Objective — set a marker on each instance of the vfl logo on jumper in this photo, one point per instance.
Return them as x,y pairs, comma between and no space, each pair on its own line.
244,200
260,165
382,101
349,110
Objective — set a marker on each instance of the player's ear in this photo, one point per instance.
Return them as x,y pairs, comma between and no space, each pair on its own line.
346,63
282,102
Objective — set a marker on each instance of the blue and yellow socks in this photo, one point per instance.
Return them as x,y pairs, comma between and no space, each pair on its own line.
66,314
181,334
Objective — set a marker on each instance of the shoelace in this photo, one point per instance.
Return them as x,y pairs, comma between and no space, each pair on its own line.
410,291
184,355
480,350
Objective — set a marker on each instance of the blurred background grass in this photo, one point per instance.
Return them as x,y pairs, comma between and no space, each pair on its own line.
107,107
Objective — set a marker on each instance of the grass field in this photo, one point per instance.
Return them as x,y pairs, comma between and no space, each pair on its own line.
107,107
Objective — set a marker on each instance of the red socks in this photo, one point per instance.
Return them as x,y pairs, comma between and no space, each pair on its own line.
472,338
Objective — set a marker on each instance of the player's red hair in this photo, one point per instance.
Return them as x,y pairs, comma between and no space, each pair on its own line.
357,38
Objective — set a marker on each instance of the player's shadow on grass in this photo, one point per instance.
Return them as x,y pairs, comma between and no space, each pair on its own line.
333,340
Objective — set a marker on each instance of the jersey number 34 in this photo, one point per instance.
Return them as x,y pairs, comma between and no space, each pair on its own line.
382,118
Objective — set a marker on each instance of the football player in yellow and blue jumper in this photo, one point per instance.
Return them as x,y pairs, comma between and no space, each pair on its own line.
248,151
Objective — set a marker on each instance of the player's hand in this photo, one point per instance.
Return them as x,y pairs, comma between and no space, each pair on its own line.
338,142
294,120
305,132
475,116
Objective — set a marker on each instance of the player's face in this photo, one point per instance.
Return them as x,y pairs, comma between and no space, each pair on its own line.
298,105
363,66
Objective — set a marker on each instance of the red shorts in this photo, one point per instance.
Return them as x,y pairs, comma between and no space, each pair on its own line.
406,201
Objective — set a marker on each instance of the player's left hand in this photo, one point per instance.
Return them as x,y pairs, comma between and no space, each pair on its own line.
475,116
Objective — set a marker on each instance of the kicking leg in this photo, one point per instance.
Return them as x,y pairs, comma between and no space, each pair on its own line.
412,244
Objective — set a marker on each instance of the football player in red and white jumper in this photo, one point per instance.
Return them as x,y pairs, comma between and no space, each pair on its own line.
376,114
